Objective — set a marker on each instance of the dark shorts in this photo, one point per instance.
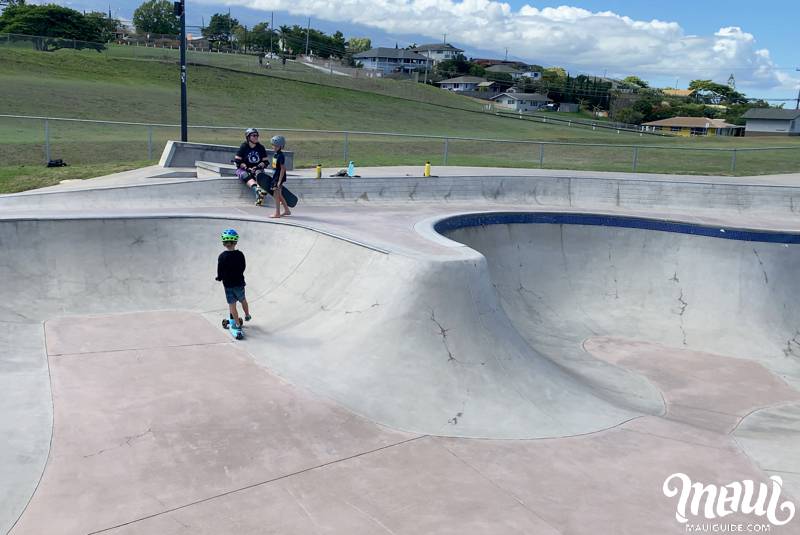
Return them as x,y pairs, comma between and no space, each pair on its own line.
260,176
232,295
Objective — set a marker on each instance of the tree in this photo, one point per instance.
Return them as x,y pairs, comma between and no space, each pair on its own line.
262,37
220,29
106,27
156,16
59,27
358,44
457,66
628,115
715,93
636,81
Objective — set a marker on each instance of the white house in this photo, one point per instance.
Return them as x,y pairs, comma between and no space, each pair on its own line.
533,75
438,52
772,122
521,101
515,73
462,83
389,60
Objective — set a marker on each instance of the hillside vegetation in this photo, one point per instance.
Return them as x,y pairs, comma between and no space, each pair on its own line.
136,87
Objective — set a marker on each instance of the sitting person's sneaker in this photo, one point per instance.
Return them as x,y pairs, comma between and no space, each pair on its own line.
248,317
260,195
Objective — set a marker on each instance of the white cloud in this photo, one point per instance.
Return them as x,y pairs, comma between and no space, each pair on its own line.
566,36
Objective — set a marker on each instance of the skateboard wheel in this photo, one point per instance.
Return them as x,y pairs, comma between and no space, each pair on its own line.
239,336
225,324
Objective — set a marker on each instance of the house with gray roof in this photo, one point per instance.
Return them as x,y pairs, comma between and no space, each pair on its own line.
390,60
514,72
521,101
438,52
771,122
462,83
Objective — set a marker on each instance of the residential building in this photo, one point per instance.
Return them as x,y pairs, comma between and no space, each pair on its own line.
485,62
515,72
694,126
438,52
772,122
462,83
521,101
390,60
502,68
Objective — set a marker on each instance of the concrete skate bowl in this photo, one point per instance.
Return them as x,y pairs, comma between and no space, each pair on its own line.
573,277
419,345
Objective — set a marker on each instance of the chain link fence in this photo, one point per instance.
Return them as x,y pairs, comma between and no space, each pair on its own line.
32,140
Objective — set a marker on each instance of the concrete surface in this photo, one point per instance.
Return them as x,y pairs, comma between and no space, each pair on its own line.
531,378
185,154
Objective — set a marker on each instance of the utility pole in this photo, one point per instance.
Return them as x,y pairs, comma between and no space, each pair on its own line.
271,31
444,39
506,54
179,8
797,105
308,30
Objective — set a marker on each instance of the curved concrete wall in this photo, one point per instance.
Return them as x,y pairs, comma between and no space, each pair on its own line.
418,345
559,278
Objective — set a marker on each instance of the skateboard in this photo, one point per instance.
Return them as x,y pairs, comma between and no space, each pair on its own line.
289,197
230,325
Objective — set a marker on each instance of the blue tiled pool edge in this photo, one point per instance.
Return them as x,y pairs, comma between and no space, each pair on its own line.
508,218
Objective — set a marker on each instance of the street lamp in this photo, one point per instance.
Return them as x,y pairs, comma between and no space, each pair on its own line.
179,9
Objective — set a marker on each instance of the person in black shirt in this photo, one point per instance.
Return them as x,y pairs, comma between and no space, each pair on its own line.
279,175
251,160
230,270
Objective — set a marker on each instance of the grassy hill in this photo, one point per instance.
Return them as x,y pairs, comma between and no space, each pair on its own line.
137,86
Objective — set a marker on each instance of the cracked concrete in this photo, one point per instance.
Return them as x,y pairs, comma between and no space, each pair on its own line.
443,333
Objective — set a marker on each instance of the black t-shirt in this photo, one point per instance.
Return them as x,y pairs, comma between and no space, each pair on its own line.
251,156
230,268
278,161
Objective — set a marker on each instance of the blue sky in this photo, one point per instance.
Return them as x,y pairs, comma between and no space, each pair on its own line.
660,41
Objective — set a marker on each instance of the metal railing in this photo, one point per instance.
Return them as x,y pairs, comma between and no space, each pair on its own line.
536,154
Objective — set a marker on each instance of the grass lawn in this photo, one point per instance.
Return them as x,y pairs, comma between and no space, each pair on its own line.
140,85
16,178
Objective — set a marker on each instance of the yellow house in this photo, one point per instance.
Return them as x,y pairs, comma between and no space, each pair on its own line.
694,126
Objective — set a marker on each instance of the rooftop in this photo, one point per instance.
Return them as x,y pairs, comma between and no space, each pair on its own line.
463,80
502,68
692,122
771,113
437,46
395,53
678,92
524,96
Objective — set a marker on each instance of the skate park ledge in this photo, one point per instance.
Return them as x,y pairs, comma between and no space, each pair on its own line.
185,154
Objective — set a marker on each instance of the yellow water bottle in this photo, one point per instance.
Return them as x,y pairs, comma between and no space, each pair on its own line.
427,169
319,170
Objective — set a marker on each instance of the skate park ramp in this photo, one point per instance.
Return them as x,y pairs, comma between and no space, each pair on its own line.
573,277
407,342
494,339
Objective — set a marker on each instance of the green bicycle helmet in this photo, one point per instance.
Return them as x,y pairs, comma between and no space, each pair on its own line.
230,235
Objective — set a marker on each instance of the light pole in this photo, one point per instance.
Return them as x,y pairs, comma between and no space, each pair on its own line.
180,9
797,104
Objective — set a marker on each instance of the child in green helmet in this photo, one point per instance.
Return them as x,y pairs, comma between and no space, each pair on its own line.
230,270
